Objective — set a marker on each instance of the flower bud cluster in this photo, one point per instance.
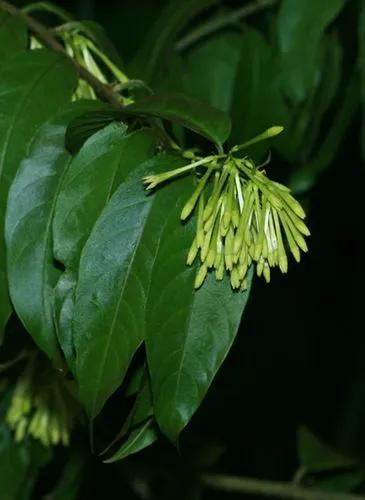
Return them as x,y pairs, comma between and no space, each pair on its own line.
44,412
243,217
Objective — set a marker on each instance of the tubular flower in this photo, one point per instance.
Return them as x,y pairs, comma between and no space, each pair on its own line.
243,217
43,411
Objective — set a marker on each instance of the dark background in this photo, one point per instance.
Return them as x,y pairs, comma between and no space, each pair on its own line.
299,356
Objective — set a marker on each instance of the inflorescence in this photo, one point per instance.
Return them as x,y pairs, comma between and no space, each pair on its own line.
43,409
243,217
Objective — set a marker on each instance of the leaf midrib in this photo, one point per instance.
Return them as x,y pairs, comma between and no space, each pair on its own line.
117,309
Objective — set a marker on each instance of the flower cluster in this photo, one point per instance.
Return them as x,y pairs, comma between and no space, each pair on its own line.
243,217
41,410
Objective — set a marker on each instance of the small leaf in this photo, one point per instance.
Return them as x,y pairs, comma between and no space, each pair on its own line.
26,103
315,456
192,114
140,438
28,232
301,25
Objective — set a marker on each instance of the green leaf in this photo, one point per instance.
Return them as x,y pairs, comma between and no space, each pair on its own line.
315,456
192,114
28,230
304,178
71,478
104,161
114,282
257,103
13,34
87,124
19,465
210,69
141,411
301,25
163,34
25,103
142,437
324,468
189,334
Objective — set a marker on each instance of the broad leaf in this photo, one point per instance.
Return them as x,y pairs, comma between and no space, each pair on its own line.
189,333
13,34
28,231
114,282
210,69
140,438
86,125
192,114
303,179
301,25
106,159
25,103
257,103
162,35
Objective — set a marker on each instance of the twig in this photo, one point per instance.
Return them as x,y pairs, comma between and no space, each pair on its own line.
104,92
276,489
221,22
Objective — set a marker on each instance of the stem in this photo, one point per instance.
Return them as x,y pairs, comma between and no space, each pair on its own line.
221,22
242,485
104,92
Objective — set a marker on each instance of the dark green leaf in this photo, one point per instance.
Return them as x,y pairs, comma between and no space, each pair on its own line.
25,103
324,468
192,114
13,34
303,179
315,456
71,479
329,81
162,35
189,333
141,411
114,282
105,160
28,230
86,125
142,437
257,103
301,25
19,465
210,69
